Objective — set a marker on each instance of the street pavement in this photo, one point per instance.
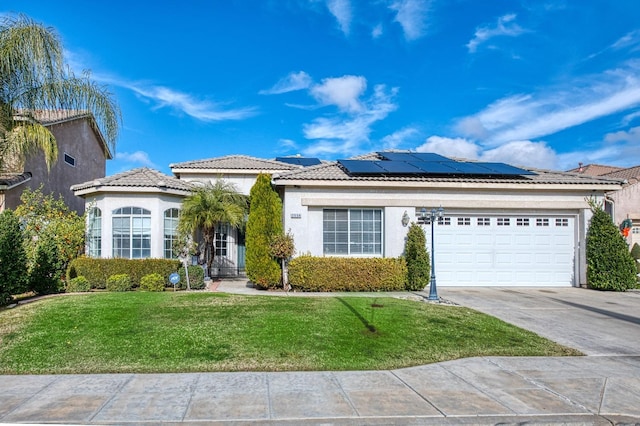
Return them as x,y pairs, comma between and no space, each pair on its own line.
599,389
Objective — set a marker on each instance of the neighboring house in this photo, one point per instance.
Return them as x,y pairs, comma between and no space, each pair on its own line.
502,227
625,203
82,155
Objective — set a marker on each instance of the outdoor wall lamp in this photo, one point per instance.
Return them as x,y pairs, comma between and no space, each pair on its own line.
405,218
433,214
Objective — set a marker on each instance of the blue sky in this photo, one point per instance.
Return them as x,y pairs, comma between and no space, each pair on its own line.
528,82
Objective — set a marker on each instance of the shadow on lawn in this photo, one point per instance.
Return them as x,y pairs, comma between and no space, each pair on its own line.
368,324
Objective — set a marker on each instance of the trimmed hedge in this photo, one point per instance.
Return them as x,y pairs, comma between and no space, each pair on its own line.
152,282
309,273
119,282
196,278
78,284
97,270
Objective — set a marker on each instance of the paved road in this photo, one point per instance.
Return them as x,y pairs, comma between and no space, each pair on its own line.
590,390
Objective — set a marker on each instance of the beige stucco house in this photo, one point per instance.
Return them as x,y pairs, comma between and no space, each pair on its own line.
522,228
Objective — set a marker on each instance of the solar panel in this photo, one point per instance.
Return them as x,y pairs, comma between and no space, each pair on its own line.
300,161
434,167
506,169
361,167
398,167
412,156
471,168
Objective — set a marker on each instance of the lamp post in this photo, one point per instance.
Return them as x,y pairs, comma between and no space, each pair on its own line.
434,213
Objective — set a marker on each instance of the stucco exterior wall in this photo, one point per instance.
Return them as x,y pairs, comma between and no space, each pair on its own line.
156,203
77,139
627,206
243,182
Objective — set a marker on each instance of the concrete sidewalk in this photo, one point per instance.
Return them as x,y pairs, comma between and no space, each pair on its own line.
479,391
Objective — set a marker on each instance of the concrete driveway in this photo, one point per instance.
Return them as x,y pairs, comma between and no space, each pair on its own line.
594,322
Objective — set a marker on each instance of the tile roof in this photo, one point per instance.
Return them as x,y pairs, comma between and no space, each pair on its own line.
334,172
631,174
10,180
235,162
143,177
595,169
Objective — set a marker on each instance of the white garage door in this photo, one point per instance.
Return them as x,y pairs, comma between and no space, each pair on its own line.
486,250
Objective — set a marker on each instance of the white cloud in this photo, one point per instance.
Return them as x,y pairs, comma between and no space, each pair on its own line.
398,138
138,158
504,27
341,10
412,16
631,136
346,132
343,92
292,82
531,116
377,31
450,147
629,40
287,143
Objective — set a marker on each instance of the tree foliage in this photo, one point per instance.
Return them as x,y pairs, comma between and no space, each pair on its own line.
265,224
49,220
417,258
45,272
35,79
13,259
609,263
206,208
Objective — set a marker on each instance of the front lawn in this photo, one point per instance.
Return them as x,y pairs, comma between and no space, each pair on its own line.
188,332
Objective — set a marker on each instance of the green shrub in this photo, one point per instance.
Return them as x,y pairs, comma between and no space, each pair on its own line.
417,258
609,263
96,270
635,253
196,278
264,224
13,258
309,273
45,272
119,282
78,284
152,282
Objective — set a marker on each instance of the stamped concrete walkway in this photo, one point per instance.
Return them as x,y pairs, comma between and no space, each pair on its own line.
590,390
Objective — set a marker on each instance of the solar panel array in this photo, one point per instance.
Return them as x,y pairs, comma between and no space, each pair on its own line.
424,164
299,161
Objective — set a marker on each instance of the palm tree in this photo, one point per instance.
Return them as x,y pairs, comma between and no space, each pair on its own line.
34,80
209,206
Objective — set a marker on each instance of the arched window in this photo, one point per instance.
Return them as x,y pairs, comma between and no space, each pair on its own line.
131,233
170,231
94,233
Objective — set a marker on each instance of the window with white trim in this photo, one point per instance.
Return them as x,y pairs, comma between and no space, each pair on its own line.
222,232
484,221
69,160
542,222
171,217
352,231
94,232
131,233
503,221
522,221
562,222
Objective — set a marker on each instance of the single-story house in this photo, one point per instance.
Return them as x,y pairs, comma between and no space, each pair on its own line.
501,225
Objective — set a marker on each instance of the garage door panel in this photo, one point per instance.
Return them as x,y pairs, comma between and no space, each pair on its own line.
508,255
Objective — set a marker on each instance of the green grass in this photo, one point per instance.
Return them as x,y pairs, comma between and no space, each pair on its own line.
181,332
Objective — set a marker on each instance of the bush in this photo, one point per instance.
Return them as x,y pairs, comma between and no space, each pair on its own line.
609,263
635,253
44,276
265,223
13,258
78,284
309,273
196,277
97,270
152,282
417,258
119,282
